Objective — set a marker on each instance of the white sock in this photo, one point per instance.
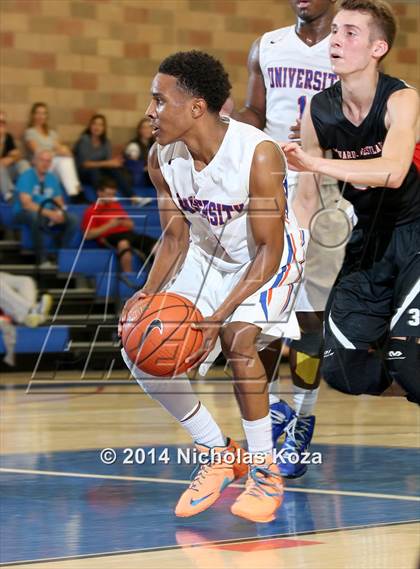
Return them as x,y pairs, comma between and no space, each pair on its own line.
258,435
203,428
304,400
273,398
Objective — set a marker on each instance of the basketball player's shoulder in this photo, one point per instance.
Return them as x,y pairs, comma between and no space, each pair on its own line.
251,143
248,135
274,38
393,86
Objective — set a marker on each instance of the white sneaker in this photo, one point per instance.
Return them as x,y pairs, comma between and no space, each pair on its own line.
44,305
40,312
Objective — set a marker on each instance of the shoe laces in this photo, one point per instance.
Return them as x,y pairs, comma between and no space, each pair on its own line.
277,417
258,483
203,469
199,474
296,432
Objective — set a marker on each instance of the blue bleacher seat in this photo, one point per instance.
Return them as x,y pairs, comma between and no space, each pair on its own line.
89,262
33,340
110,285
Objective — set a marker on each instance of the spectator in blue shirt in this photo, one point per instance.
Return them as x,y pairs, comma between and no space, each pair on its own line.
39,203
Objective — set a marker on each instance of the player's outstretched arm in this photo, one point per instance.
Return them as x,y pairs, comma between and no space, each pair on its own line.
254,111
306,201
397,154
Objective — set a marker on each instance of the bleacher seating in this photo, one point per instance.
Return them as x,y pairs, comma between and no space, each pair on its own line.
85,260
34,340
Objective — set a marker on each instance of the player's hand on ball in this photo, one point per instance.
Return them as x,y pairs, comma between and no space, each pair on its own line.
127,307
210,327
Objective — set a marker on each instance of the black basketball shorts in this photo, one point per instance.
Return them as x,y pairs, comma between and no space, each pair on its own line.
377,292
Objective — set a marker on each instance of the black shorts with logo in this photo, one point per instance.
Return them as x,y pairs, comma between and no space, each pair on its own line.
377,292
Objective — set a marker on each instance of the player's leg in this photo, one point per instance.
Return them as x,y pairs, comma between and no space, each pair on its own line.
325,252
305,358
402,354
353,337
281,413
209,477
177,396
264,489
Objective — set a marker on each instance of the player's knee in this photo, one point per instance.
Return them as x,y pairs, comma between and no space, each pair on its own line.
354,371
238,340
310,344
305,360
150,384
402,359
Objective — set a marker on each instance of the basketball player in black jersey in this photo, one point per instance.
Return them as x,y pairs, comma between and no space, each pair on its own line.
368,121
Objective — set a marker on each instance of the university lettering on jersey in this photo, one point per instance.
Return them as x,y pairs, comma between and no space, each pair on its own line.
300,78
215,213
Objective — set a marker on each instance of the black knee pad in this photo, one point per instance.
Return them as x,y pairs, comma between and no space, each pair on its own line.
310,344
402,359
304,363
354,371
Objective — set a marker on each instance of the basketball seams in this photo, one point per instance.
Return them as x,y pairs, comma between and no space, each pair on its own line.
190,316
165,339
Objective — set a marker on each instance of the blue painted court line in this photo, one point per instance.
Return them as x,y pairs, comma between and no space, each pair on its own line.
47,517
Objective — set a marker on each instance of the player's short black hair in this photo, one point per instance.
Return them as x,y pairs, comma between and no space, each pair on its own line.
199,74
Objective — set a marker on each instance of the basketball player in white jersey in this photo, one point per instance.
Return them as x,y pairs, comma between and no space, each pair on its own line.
229,247
286,68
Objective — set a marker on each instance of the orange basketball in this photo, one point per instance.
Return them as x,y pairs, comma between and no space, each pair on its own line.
157,334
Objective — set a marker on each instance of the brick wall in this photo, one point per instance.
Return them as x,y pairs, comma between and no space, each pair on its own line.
85,56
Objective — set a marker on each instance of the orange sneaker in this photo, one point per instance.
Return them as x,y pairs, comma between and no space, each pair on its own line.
210,478
263,493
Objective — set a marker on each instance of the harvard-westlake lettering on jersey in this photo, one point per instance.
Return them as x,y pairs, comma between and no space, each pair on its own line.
386,206
215,200
293,72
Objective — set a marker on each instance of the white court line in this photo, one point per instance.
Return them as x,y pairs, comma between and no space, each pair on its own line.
172,481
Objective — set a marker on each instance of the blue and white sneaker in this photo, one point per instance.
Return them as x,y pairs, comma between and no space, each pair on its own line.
281,415
299,434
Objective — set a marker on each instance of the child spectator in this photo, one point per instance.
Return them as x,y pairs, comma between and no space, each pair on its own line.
39,136
109,223
137,151
94,160
11,164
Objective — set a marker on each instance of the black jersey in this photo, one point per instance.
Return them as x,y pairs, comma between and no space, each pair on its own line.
386,206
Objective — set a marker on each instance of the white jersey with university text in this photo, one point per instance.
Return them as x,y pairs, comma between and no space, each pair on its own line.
293,72
215,200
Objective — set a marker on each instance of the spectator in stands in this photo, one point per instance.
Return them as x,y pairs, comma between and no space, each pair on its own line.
18,305
109,223
39,136
11,163
18,299
39,203
137,151
94,160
